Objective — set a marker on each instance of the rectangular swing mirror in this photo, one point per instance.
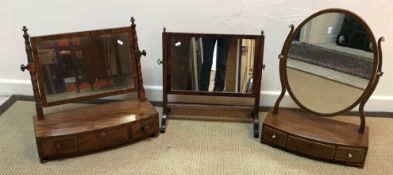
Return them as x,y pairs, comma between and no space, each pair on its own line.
212,64
84,65
196,64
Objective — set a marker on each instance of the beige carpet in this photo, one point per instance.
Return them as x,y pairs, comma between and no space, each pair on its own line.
188,147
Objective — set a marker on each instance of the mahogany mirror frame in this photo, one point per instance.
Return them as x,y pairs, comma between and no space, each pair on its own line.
257,74
373,81
36,73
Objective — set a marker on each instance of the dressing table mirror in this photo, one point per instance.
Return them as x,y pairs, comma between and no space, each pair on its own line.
74,67
329,64
212,65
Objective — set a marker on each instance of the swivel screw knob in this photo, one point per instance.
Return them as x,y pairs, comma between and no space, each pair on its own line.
159,62
23,67
143,53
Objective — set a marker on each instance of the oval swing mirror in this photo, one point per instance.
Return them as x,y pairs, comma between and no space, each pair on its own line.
331,62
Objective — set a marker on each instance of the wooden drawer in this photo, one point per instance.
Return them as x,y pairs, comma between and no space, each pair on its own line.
311,148
102,139
274,136
144,128
347,154
57,146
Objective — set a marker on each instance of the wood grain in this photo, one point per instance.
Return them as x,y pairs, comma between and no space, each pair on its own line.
91,118
316,137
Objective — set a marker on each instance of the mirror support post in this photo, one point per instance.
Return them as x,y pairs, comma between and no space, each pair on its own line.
257,87
281,69
164,86
138,55
33,76
378,74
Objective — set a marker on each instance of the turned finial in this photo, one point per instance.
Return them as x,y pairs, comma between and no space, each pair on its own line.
164,29
24,29
132,22
262,32
25,34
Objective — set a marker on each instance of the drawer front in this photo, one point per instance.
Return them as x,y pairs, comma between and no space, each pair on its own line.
102,139
274,136
311,148
144,128
57,146
355,155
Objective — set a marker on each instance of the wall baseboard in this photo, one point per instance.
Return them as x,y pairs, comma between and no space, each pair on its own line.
154,93
12,99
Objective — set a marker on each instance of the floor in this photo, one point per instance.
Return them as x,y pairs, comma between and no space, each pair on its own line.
188,147
331,74
349,50
321,94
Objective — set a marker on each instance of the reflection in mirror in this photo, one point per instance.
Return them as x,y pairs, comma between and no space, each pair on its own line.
82,66
330,62
212,64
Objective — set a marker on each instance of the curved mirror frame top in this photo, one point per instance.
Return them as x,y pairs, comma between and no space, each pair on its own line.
85,65
330,62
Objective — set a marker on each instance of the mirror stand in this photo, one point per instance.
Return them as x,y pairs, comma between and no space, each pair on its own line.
307,131
375,81
73,67
32,70
185,54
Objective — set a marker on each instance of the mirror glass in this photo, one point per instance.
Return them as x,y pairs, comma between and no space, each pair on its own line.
75,67
330,62
211,64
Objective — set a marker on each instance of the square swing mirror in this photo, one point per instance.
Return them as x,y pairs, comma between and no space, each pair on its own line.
73,67
212,65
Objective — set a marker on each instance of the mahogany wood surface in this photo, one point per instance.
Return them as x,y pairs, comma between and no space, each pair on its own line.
210,106
94,128
91,118
317,128
33,74
317,137
90,128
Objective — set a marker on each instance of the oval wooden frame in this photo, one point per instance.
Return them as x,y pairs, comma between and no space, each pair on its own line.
362,99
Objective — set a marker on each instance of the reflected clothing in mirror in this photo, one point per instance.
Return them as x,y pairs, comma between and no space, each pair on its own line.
210,63
221,59
80,66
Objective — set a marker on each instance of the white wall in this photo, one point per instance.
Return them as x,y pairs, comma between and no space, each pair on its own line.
219,16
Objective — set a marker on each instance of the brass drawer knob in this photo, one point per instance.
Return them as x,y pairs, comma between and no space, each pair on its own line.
58,145
103,134
274,136
349,155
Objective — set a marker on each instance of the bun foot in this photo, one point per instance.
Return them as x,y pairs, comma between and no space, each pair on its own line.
42,161
155,135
